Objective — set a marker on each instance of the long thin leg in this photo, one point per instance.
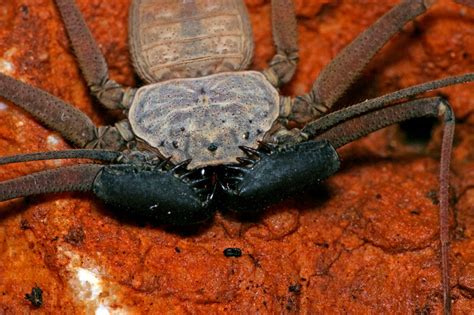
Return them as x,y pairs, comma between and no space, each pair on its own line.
99,155
56,114
283,65
466,2
318,126
335,118
91,61
345,68
68,178
358,126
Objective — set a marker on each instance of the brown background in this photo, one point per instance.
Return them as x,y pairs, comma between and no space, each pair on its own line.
367,243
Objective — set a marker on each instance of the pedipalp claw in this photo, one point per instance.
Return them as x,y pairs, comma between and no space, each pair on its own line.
282,173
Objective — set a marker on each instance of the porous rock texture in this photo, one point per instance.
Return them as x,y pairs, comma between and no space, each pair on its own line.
364,242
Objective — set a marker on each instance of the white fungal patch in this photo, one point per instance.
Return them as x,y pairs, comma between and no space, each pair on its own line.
92,291
90,284
52,143
6,67
102,310
3,106
52,140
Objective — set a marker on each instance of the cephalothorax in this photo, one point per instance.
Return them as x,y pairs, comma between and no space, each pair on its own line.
204,134
205,119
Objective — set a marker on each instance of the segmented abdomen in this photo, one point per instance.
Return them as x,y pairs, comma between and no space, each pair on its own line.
189,38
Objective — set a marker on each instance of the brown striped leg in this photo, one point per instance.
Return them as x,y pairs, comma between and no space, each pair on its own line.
99,155
91,61
281,134
333,119
56,114
357,125
469,3
345,68
53,112
68,178
283,65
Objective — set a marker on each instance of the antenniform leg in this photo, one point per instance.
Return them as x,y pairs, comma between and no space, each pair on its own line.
93,65
359,120
345,68
283,65
56,114
99,155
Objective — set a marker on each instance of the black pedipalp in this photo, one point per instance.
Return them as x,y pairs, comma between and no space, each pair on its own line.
166,196
270,175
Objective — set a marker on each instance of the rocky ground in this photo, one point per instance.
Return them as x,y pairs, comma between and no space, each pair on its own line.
364,242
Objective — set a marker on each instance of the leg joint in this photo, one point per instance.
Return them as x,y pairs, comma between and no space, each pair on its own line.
113,95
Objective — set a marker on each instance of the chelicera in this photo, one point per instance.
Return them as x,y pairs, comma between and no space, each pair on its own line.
204,133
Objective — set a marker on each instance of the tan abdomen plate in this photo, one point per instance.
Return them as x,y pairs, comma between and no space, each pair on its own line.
185,39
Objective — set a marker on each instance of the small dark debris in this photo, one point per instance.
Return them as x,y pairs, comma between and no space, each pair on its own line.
459,233
415,212
35,297
323,245
425,310
433,195
25,10
291,304
75,236
255,261
212,147
378,196
246,135
24,224
177,249
162,143
175,144
182,129
232,252
295,288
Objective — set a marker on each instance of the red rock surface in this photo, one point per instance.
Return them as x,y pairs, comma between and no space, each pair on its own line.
365,242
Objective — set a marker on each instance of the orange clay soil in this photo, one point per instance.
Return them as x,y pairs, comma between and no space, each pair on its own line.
365,241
